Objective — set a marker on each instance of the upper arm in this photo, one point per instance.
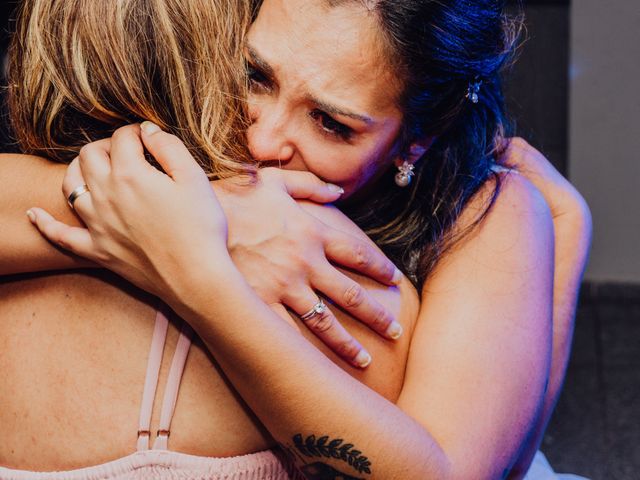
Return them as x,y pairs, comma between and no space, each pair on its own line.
479,356
25,182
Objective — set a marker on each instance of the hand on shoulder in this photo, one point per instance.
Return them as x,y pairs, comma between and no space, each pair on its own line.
562,197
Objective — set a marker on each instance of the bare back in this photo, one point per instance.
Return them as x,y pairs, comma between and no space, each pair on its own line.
75,349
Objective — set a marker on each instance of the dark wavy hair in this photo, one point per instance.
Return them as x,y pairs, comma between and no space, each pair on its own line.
437,48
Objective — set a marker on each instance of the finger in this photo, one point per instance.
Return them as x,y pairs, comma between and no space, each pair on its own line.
326,327
305,185
104,144
77,240
73,178
94,163
169,151
354,299
127,152
358,255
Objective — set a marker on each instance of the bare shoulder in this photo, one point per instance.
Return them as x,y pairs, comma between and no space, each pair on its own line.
20,157
482,339
516,195
18,163
514,208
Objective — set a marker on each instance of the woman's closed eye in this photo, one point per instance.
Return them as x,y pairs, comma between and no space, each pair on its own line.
330,125
258,81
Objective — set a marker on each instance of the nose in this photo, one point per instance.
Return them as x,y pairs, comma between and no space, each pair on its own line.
267,136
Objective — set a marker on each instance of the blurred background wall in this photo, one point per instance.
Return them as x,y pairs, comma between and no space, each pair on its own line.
604,139
537,87
574,94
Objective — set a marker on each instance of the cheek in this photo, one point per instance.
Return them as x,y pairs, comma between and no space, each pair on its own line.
350,167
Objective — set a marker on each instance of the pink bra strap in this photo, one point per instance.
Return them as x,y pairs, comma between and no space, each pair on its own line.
172,387
151,380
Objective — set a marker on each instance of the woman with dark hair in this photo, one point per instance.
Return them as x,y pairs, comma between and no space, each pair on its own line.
334,90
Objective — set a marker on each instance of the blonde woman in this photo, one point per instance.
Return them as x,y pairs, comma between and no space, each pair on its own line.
76,344
232,299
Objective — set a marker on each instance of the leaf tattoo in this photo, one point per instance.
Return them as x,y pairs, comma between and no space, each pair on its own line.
322,447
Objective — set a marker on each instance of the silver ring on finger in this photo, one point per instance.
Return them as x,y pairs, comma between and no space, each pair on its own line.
318,309
73,196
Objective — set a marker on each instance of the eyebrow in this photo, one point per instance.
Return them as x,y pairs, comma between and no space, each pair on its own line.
260,62
268,70
340,111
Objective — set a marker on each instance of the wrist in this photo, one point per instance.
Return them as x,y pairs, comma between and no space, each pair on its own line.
213,273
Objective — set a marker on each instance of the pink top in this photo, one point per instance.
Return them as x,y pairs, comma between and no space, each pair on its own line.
159,462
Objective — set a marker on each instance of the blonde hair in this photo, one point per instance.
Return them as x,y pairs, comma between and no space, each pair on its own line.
79,69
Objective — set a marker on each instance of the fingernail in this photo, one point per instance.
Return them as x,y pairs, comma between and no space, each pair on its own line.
335,188
363,359
149,127
397,277
32,216
394,331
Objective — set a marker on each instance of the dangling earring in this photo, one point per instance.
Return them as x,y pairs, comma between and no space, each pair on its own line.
405,172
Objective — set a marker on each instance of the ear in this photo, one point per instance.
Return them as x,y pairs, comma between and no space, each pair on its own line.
416,151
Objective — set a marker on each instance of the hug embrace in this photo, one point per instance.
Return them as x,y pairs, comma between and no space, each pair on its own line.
295,239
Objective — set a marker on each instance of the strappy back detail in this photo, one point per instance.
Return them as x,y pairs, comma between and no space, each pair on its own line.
159,462
151,381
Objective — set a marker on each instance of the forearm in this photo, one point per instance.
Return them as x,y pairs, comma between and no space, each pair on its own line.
571,258
573,239
27,182
300,391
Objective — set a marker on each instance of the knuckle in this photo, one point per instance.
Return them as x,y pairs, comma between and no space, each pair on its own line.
85,151
309,227
102,257
322,323
348,348
354,296
381,319
63,239
124,130
99,198
388,270
88,152
124,176
298,263
311,178
308,231
52,233
280,283
363,255
167,140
